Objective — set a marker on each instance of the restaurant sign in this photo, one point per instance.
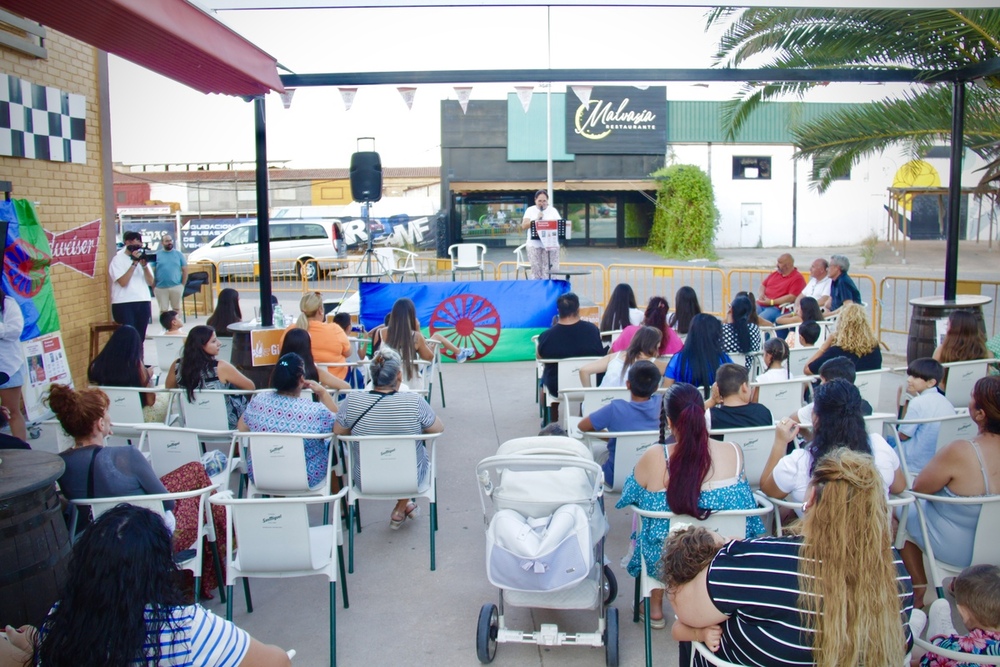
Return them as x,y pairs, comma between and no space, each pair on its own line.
618,119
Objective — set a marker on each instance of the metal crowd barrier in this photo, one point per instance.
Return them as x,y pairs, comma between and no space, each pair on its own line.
895,293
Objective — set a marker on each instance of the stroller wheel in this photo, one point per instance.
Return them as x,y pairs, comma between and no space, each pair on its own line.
610,585
611,638
486,633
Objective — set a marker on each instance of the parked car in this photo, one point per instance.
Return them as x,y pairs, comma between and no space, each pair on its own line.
309,242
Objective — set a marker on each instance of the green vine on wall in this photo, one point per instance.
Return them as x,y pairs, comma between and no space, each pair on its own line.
686,217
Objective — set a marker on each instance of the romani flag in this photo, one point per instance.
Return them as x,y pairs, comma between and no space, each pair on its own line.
495,318
26,261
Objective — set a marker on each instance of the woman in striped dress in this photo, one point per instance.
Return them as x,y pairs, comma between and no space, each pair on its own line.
837,594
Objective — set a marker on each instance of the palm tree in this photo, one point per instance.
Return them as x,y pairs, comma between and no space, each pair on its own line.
938,40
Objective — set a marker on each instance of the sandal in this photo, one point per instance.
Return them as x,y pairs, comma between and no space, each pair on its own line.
654,623
396,519
412,510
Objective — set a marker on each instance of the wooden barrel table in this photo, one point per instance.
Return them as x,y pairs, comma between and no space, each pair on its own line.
928,311
34,542
242,357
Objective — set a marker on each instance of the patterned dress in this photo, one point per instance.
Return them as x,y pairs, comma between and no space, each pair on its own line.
278,413
977,642
730,494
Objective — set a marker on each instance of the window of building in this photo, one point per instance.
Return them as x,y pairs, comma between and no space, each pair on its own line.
750,167
485,216
284,194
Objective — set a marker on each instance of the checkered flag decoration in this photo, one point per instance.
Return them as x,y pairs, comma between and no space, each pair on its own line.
41,122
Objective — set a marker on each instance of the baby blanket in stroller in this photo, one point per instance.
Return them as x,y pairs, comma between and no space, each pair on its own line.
544,554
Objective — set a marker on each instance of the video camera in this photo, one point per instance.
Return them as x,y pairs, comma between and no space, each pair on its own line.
145,254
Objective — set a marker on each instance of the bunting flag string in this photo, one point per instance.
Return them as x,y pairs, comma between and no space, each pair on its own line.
583,93
463,93
286,97
524,94
408,95
347,94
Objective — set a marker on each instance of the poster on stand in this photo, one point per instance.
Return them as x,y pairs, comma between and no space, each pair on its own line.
45,362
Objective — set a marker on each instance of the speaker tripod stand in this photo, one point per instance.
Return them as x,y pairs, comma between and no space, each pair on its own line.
364,265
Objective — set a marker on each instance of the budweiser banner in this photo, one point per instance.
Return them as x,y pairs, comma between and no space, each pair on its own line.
77,248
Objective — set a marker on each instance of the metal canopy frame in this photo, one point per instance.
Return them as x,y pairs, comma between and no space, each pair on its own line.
957,78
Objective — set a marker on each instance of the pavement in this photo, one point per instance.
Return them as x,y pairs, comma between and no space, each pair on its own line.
400,612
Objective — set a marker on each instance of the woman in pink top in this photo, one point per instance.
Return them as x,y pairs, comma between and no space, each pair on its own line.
656,316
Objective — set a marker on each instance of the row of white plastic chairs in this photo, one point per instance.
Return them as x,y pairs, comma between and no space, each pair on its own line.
274,535
781,398
757,445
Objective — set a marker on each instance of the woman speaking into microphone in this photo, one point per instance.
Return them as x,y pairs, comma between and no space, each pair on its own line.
542,223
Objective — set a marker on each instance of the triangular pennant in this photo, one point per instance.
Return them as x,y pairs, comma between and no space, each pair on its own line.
286,97
408,94
347,94
463,93
524,94
583,93
641,86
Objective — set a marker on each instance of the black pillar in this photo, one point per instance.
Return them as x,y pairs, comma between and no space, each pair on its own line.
263,222
954,191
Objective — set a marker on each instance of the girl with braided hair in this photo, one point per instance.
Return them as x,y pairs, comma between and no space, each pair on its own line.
687,473
836,594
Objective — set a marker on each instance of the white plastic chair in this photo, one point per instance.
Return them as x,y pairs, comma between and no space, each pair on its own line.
728,523
388,466
985,546
225,349
521,262
125,409
208,410
589,400
756,444
781,398
279,464
568,374
869,384
957,656
468,257
958,427
435,369
154,502
271,538
629,448
169,448
797,358
397,262
961,376
168,350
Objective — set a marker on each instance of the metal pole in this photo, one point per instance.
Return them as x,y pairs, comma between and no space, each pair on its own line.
263,222
954,191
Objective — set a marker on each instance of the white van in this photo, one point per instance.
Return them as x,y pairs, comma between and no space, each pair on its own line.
235,250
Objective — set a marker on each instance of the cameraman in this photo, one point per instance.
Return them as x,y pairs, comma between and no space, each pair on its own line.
131,279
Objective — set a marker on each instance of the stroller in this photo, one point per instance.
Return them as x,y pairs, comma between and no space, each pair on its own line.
545,529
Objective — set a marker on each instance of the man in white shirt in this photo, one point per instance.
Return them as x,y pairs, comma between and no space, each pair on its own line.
131,279
818,288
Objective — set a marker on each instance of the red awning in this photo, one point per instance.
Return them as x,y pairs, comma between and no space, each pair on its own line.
171,37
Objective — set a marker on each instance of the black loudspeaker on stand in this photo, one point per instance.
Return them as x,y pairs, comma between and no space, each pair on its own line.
366,176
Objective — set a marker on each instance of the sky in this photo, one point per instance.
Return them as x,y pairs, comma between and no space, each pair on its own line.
155,120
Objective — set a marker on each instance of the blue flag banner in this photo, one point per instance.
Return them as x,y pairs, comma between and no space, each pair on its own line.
495,318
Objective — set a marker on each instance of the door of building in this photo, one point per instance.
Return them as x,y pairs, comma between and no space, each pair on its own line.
750,225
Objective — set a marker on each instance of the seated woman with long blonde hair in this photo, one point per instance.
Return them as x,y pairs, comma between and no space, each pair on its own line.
837,594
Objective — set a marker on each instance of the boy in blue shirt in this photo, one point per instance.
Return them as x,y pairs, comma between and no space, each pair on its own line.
640,413
918,442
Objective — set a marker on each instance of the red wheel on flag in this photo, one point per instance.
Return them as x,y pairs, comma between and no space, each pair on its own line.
25,267
467,320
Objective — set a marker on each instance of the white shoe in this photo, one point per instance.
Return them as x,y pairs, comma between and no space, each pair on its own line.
464,355
939,619
918,621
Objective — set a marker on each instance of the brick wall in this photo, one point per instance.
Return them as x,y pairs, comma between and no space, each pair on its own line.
67,195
